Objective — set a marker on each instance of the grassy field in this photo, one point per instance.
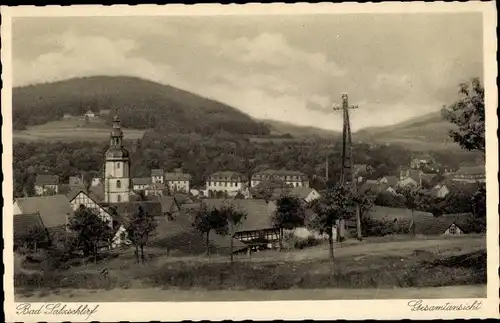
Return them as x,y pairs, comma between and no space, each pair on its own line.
71,130
369,269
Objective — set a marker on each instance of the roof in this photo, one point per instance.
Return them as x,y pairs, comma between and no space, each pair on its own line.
157,172
168,204
374,187
47,180
471,170
156,186
428,177
25,222
281,172
141,181
301,192
117,152
258,212
180,235
230,175
54,210
461,187
177,176
182,198
125,209
438,225
392,180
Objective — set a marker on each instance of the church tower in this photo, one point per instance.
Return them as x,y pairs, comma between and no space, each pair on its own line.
117,167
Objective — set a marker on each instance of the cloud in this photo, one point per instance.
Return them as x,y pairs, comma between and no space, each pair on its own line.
78,56
273,49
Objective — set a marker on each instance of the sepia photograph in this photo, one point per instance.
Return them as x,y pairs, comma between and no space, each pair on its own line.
252,157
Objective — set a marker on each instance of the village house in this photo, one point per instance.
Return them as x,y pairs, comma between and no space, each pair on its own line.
440,191
46,184
448,224
306,194
76,181
96,181
157,176
361,171
54,210
23,225
89,114
392,181
421,162
177,181
289,177
410,177
257,230
155,189
78,198
225,181
140,183
470,174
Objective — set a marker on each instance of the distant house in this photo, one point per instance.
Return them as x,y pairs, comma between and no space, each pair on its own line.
54,210
140,183
256,230
470,174
290,177
46,184
155,189
170,206
67,116
89,114
228,182
24,224
451,224
177,181
409,177
440,191
362,170
157,176
392,181
96,181
305,193
422,162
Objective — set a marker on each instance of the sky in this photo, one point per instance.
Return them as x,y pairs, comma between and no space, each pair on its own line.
290,68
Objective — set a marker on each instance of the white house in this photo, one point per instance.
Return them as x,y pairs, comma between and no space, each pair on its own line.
290,177
225,181
177,181
440,191
140,183
89,114
157,176
305,193
78,197
46,184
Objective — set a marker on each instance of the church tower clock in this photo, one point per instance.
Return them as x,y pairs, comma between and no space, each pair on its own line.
117,167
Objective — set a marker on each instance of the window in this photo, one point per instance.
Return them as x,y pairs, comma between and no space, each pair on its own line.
118,184
118,165
119,198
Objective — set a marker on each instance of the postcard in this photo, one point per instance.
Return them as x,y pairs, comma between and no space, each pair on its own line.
250,162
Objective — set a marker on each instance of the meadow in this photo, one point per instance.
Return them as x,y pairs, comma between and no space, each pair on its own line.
73,130
363,268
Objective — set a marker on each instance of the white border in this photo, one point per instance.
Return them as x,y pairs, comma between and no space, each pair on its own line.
337,309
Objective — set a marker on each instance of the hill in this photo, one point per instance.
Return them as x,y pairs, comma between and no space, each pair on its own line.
284,128
143,105
427,132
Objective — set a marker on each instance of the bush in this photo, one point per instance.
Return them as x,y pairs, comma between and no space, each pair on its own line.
291,241
379,228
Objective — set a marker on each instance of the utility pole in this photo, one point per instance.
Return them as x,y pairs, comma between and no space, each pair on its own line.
347,175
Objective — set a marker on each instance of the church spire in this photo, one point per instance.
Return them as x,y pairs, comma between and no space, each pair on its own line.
116,132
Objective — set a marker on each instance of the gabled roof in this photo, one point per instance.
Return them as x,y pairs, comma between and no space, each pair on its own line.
54,210
373,187
176,176
280,172
230,175
438,225
169,204
182,198
23,223
392,213
141,181
258,212
301,192
392,181
47,180
157,172
153,208
180,235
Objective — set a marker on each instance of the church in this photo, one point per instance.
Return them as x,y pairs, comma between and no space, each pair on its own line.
117,188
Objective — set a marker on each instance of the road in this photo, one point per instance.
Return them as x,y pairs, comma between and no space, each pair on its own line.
159,295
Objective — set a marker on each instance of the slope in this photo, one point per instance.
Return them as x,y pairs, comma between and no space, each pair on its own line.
142,105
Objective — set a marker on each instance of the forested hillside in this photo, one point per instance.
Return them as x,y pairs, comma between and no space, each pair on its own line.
142,105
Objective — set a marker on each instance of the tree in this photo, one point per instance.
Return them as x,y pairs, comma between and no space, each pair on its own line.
265,189
413,199
140,227
234,218
365,201
239,196
34,237
289,214
91,231
333,205
208,219
468,114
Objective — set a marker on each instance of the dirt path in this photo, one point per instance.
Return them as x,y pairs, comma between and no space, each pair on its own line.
159,295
